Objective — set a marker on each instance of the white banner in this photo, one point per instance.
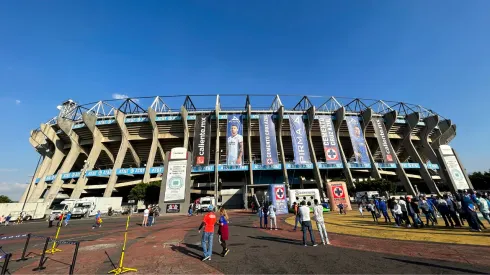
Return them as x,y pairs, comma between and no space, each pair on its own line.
455,172
175,185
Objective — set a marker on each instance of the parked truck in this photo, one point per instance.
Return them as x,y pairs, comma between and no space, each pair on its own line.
88,207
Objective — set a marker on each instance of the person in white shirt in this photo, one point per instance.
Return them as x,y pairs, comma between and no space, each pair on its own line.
483,205
397,210
306,223
234,146
320,223
271,212
146,213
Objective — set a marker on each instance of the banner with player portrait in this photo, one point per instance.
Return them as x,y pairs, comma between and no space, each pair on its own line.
268,145
357,140
383,140
300,143
234,140
329,139
202,140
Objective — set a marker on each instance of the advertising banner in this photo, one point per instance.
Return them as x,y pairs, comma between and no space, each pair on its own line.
383,140
453,168
202,140
278,196
234,140
329,139
300,143
337,194
357,140
268,144
175,185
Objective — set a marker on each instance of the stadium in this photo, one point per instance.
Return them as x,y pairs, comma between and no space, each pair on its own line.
105,148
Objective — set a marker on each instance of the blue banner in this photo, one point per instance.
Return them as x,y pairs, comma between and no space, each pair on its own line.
410,165
202,169
268,144
329,139
156,170
130,171
266,167
278,197
234,140
299,166
300,143
232,167
358,141
324,165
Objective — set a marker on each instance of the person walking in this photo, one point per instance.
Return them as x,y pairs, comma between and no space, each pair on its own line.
424,205
320,222
397,211
444,211
207,236
306,223
68,217
360,206
403,207
265,209
98,220
483,206
297,216
51,219
151,215
384,210
9,217
414,212
260,213
391,206
146,213
451,204
371,208
223,231
272,216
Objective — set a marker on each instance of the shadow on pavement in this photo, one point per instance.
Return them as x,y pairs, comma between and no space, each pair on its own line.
276,239
189,252
436,265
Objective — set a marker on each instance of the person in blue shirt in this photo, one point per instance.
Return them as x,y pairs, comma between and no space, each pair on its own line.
432,201
376,203
383,208
67,219
260,213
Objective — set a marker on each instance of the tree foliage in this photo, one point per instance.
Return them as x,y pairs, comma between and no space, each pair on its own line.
480,180
380,185
149,193
5,199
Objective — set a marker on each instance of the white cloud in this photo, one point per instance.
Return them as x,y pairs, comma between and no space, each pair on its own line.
17,101
9,169
13,190
122,96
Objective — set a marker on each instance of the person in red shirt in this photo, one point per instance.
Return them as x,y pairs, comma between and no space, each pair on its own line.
207,236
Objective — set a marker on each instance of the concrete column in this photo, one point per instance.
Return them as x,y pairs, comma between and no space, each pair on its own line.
32,184
339,118
412,121
97,147
366,119
444,125
121,154
250,160
390,119
39,143
280,115
216,155
183,114
155,145
430,124
316,170
56,160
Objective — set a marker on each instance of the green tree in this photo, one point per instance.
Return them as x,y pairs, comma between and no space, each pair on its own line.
138,192
152,193
480,180
5,199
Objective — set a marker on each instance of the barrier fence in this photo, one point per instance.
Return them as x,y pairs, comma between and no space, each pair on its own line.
6,259
55,242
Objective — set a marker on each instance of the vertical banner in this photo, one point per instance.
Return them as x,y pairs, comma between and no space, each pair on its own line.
234,140
278,198
300,143
175,185
268,145
453,168
202,140
357,140
383,140
329,139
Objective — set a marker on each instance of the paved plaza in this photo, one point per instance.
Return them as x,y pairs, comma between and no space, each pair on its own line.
173,246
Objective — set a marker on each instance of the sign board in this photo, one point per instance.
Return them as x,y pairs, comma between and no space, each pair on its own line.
175,185
178,153
278,198
337,194
173,208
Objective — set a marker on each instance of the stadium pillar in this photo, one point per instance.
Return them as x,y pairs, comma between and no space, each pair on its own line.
430,124
66,166
280,119
155,145
217,150
56,160
316,171
444,125
339,118
121,154
250,160
39,142
412,121
183,114
97,147
366,119
390,119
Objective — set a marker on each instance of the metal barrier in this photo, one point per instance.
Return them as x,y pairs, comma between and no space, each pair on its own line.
6,259
26,245
56,242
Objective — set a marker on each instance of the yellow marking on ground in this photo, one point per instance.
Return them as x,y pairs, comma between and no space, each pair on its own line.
354,224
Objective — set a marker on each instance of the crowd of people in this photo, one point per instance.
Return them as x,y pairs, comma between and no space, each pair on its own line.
453,209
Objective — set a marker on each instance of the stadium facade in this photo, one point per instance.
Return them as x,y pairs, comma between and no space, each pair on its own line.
107,147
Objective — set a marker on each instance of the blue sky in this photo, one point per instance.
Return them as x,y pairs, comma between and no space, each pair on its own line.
433,53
